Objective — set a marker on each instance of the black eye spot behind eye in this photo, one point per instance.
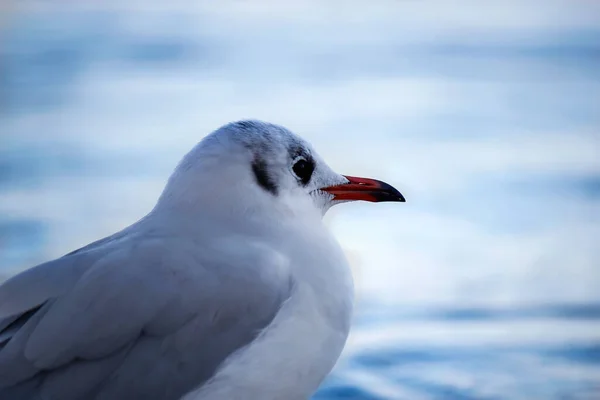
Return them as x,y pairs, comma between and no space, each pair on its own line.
259,167
303,170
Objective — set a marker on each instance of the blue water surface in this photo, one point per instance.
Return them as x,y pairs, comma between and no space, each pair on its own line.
484,286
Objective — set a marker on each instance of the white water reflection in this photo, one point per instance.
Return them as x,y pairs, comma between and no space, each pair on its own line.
485,117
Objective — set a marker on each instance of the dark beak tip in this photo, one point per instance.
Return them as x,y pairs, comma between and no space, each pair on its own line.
401,198
392,193
396,197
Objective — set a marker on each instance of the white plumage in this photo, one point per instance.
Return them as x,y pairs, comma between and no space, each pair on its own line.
230,288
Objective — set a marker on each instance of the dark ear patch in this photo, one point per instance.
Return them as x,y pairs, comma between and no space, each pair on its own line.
259,167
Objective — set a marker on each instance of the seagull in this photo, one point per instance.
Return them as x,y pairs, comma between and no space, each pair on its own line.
230,287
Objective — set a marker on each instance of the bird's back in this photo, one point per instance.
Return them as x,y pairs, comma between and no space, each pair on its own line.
134,316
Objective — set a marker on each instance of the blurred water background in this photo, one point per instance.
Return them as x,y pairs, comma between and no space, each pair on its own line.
486,115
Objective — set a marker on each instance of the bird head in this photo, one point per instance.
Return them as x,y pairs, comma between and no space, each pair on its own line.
252,164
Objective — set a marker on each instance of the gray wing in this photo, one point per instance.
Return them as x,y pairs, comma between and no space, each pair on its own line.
149,320
31,288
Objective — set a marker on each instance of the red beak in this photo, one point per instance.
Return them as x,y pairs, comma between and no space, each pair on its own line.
364,189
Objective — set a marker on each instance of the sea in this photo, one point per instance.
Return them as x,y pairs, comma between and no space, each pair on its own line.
485,115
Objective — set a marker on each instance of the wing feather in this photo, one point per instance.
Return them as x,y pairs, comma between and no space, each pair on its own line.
137,320
106,309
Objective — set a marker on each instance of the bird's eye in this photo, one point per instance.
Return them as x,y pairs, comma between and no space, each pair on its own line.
303,169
